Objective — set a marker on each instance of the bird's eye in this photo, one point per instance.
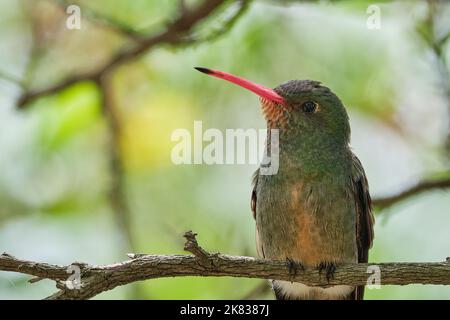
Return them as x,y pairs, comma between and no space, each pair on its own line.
309,106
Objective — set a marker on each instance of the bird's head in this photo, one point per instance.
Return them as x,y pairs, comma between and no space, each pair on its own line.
303,109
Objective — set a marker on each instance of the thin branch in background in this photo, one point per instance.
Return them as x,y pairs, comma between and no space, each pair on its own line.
11,78
437,46
225,26
97,279
175,33
35,50
43,33
421,187
102,20
117,196
28,96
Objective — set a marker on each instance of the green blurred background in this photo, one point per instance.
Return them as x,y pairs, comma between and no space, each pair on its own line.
55,171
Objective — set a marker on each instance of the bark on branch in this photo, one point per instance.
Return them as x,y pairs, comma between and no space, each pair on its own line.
97,279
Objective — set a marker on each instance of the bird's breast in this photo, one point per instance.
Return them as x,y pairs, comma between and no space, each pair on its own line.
308,221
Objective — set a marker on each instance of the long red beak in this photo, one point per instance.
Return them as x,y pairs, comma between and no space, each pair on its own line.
260,90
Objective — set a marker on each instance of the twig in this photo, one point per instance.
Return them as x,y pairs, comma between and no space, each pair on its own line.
28,96
421,187
117,196
102,20
97,279
193,247
227,25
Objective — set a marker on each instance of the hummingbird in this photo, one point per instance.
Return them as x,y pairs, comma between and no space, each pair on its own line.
315,211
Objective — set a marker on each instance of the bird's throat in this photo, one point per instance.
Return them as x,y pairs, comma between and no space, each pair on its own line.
311,158
275,114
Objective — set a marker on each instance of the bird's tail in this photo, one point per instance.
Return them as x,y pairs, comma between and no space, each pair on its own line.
280,294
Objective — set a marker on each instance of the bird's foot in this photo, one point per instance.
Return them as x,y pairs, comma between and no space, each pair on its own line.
329,268
294,266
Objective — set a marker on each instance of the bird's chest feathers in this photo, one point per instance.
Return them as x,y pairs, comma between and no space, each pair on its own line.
299,198
305,219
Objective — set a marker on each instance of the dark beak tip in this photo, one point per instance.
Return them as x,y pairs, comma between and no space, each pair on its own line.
204,70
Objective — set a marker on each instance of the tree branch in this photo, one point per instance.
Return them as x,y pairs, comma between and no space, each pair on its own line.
226,25
102,20
174,33
117,196
117,193
420,187
97,279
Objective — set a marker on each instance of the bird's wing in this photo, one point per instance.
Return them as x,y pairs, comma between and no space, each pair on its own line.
364,217
259,247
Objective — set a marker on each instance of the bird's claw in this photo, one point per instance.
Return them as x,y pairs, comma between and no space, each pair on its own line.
294,266
329,268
